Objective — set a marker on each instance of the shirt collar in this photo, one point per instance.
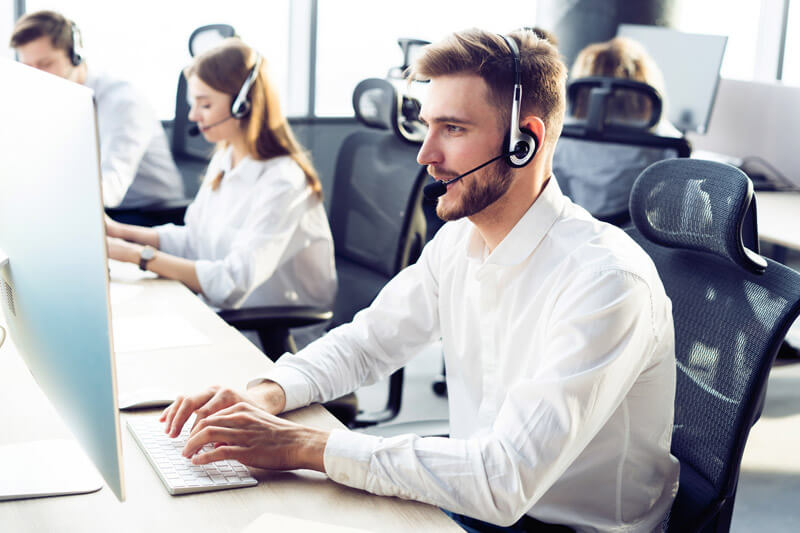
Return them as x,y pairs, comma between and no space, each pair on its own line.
238,172
526,235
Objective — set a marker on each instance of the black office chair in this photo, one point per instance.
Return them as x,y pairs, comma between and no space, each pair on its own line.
732,309
618,112
377,224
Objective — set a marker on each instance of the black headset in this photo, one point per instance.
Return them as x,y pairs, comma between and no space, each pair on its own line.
241,104
77,43
521,143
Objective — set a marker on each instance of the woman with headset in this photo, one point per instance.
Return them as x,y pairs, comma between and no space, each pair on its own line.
257,232
599,176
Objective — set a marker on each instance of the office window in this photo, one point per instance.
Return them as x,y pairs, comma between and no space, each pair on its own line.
740,23
146,41
791,53
357,39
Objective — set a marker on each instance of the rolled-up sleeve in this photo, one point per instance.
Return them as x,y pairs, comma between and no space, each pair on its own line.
173,239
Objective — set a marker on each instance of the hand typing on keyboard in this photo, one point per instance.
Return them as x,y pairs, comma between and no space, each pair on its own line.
267,396
178,473
242,427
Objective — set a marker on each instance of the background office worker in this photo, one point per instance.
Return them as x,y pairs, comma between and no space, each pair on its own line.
257,232
599,176
556,331
135,161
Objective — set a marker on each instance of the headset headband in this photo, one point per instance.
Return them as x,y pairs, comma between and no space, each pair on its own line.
241,105
74,53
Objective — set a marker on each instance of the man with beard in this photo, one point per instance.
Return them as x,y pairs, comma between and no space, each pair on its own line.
556,331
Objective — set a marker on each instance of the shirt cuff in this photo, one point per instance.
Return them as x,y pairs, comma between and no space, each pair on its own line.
294,384
170,239
215,283
347,457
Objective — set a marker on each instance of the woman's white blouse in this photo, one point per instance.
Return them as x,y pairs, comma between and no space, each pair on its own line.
261,238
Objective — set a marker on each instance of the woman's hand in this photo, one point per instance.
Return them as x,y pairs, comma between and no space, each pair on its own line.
113,228
123,250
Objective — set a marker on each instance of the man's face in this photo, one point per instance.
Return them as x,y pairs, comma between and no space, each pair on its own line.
40,54
463,131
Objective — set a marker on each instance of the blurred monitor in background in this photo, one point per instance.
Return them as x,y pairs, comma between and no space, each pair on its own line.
690,64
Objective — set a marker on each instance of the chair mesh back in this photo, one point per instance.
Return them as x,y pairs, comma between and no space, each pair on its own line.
376,195
729,322
693,204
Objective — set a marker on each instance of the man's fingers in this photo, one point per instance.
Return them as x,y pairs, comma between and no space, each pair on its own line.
238,453
208,435
182,414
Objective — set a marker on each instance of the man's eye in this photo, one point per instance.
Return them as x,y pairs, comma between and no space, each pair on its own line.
451,128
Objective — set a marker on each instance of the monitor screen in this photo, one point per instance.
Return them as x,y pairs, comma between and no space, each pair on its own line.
55,281
690,84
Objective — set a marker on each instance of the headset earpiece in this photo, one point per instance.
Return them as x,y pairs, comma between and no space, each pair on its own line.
521,143
74,53
241,104
523,147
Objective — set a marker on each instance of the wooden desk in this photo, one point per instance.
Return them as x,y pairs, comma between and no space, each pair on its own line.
779,218
229,359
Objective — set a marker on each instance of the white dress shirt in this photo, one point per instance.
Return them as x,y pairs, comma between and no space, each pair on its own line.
135,159
559,348
261,238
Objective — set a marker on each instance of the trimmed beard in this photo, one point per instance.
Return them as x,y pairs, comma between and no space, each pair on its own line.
480,192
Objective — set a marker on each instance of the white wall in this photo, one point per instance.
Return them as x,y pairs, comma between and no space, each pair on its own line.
6,25
755,119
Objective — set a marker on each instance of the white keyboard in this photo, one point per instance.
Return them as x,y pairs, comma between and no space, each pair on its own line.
177,472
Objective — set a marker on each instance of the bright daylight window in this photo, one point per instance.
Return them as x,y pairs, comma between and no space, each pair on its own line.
357,39
740,24
791,54
146,42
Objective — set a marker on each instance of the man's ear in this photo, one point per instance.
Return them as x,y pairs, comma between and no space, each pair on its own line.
535,125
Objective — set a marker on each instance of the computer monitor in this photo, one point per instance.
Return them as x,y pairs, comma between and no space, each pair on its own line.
690,63
55,281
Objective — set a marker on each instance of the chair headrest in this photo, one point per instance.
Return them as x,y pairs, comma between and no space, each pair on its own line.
206,37
697,205
378,104
616,103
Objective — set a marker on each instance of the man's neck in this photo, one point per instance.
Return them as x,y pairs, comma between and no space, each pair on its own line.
498,219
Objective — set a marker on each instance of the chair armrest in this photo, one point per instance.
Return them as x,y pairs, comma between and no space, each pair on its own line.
254,318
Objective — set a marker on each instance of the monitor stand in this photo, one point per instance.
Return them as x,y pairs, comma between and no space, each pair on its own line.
46,468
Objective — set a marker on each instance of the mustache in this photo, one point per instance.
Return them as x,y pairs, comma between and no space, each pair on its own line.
441,173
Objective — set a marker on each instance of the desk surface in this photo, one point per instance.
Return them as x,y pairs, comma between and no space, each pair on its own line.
299,494
779,218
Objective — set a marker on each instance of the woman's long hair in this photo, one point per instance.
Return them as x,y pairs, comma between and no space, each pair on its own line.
267,133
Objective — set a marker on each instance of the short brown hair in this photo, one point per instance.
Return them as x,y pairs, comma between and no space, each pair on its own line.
43,23
486,54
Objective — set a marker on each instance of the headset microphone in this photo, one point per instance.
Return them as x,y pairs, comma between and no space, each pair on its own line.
437,189
195,130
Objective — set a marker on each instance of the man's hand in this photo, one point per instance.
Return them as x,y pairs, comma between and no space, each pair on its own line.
268,396
256,438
